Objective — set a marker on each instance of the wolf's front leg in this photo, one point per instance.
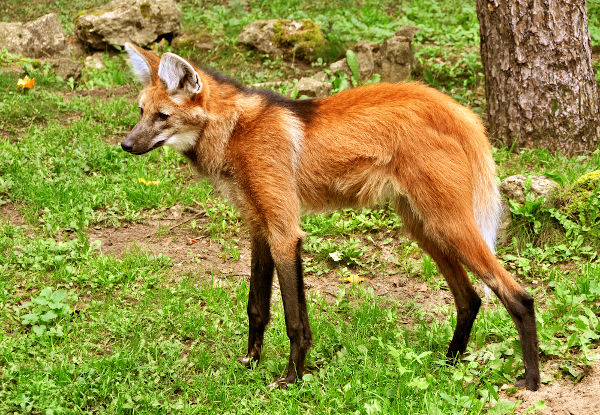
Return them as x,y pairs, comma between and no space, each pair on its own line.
259,300
289,272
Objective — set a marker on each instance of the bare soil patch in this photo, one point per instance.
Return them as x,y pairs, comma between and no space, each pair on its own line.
563,396
169,233
9,213
104,93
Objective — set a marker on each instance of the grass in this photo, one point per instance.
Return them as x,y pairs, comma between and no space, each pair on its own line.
86,332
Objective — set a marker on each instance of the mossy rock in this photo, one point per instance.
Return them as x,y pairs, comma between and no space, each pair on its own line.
588,181
302,37
576,200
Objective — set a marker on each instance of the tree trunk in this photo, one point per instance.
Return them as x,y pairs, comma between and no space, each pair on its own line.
539,80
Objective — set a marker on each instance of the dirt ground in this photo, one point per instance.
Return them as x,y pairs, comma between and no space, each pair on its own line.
562,396
194,253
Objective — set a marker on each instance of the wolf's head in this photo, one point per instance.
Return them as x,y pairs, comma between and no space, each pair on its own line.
170,104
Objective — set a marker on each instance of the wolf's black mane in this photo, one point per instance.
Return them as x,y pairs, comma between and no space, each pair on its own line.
304,109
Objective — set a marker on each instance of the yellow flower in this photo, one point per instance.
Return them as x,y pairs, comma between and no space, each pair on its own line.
148,182
26,83
354,279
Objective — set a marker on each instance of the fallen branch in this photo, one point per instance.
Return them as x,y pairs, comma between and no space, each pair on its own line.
198,214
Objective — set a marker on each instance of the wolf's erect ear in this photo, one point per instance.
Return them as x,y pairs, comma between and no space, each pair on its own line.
178,75
144,63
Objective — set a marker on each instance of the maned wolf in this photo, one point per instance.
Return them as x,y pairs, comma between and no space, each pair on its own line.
272,157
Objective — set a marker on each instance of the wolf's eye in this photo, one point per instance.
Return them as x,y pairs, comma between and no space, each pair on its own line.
141,112
163,116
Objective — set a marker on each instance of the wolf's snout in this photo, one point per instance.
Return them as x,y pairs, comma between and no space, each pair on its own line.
127,146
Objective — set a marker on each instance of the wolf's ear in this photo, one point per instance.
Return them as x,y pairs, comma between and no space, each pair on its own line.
144,63
178,75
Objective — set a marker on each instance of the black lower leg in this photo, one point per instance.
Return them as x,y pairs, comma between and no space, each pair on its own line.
464,323
522,311
259,299
296,316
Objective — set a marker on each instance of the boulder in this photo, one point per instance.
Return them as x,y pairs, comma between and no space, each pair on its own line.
321,76
259,35
513,187
341,66
407,32
366,54
74,49
66,68
393,59
39,38
283,37
576,199
120,21
313,88
94,61
199,41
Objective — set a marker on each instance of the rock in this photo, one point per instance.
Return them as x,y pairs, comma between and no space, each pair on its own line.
313,88
321,76
576,200
283,37
513,188
66,68
74,49
200,41
366,53
589,181
407,32
259,35
340,66
94,61
393,59
120,21
39,38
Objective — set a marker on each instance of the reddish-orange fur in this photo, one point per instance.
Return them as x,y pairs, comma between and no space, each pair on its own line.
406,143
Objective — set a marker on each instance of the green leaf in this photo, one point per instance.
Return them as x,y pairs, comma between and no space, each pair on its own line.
538,406
419,383
56,331
29,318
40,300
39,330
352,61
49,315
59,295
503,407
401,370
422,355
46,292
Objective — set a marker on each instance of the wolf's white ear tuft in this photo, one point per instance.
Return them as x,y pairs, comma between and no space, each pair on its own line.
178,75
138,63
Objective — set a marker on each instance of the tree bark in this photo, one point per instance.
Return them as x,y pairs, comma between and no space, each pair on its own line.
539,80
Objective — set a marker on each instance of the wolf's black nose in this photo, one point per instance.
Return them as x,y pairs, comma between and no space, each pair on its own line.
127,146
